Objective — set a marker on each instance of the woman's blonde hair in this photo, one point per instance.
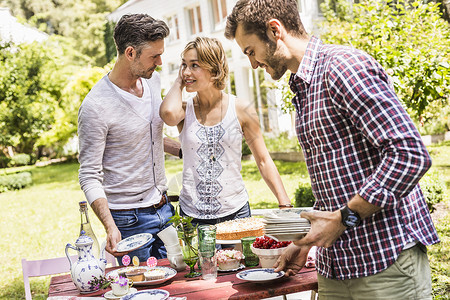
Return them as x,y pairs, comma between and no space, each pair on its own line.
211,57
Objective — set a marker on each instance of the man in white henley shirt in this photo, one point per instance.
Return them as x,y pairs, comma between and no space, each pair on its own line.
121,139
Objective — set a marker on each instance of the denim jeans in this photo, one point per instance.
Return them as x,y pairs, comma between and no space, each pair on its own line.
244,212
142,220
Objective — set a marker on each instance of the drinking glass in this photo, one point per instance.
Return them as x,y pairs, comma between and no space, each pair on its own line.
251,259
189,248
208,263
207,238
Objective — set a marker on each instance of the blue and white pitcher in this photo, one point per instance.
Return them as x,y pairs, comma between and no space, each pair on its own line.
87,266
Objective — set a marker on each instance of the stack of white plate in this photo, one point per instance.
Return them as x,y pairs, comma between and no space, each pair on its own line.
286,224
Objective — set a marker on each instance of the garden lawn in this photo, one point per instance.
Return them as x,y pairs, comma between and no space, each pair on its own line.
40,220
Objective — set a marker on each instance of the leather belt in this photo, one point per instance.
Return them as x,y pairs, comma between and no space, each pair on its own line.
155,206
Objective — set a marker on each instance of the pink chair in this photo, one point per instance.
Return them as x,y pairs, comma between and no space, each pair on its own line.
35,268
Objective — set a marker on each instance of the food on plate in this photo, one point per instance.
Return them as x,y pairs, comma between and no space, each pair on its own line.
123,271
266,242
229,259
154,274
239,228
136,274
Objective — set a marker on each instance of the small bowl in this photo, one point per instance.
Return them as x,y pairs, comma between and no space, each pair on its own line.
267,257
136,274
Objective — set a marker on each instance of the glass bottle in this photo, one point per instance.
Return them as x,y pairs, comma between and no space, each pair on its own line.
87,228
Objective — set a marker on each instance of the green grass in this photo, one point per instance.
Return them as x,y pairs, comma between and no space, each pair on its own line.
441,159
38,222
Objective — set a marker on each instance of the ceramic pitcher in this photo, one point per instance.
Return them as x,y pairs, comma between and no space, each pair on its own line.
87,266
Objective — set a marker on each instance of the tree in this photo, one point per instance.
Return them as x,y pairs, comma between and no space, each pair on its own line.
444,8
83,20
410,40
66,114
32,78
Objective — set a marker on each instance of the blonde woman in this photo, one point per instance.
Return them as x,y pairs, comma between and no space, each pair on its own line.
212,125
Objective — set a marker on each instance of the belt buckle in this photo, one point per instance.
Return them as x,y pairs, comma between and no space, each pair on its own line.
161,203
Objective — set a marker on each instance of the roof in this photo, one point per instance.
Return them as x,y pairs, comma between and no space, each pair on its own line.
125,8
13,31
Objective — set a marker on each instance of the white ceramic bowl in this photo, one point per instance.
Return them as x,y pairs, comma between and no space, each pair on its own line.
267,257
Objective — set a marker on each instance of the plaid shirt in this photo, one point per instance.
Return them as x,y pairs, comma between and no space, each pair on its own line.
357,139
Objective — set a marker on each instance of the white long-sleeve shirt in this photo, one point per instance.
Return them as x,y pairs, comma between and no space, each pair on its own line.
121,152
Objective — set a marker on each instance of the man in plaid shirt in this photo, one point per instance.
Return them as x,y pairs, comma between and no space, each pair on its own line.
364,156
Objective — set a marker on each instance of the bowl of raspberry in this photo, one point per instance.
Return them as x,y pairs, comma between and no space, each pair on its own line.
268,250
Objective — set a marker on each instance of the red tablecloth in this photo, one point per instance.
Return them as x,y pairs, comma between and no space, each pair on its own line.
226,286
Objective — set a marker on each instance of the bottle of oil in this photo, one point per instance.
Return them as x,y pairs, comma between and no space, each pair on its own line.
87,228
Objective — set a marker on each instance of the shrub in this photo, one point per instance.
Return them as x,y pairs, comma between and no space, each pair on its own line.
4,161
21,159
245,148
304,196
433,188
15,181
282,143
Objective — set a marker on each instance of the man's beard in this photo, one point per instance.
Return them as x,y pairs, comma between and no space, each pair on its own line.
275,61
148,74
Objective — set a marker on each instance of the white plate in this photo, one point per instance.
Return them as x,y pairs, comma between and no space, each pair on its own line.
275,221
293,227
133,242
228,242
169,274
259,275
287,236
286,232
296,210
148,295
110,295
287,215
241,266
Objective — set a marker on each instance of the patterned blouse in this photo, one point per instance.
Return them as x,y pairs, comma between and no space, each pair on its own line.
212,183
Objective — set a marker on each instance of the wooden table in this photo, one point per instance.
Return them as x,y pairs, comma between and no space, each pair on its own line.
227,286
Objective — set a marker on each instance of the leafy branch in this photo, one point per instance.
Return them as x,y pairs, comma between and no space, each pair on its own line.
186,231
183,223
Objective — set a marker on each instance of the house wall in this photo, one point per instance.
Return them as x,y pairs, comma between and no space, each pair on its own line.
12,30
238,62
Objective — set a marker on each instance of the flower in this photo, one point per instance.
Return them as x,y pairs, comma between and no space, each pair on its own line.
101,282
122,281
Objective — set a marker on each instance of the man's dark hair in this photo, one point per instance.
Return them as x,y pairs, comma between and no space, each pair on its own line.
254,16
136,30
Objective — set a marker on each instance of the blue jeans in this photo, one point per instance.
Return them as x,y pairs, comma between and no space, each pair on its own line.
244,212
141,220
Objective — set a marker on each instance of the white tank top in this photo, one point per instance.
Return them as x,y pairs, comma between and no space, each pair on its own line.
212,183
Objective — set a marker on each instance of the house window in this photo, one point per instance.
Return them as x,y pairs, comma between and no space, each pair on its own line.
219,10
195,20
172,22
